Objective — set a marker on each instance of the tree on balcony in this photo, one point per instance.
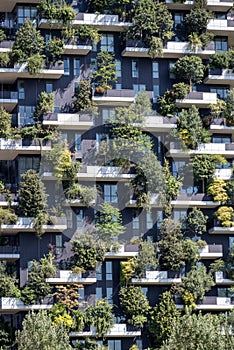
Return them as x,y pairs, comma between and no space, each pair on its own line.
217,188
172,187
100,316
8,282
197,282
88,33
135,305
86,194
189,69
152,23
7,217
39,333
4,59
54,50
28,42
162,319
5,124
109,222
168,99
146,260
56,10
83,98
228,112
105,73
44,105
225,215
196,222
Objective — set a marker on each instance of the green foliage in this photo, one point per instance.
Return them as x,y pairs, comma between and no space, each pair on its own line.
191,250
8,283
155,47
83,97
2,35
28,43
228,112
146,259
198,282
56,10
220,60
156,23
105,73
198,331
217,265
217,188
32,194
89,251
44,106
204,165
36,64
189,69
162,318
86,194
5,124
127,270
134,304
196,21
171,245
36,288
39,333
168,99
5,334
226,216
109,222
172,186
196,222
54,49
4,59
7,217
100,316
59,316
190,128
88,32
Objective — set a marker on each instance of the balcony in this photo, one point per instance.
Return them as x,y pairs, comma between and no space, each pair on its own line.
10,149
224,149
220,76
25,224
66,277
125,251
118,330
172,49
6,45
212,5
4,202
115,97
157,123
158,277
102,173
9,252
9,305
154,201
69,121
212,251
221,27
224,174
76,47
200,200
102,22
216,229
213,304
10,75
8,100
218,126
222,278
199,99
8,5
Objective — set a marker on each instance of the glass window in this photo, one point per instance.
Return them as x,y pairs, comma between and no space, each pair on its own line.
58,244
69,218
76,63
81,295
99,272
144,290
139,88
149,220
221,92
79,219
109,292
24,12
231,241
66,62
98,293
26,115
118,86
155,70
49,88
26,163
107,42
135,220
21,90
178,18
78,142
156,92
139,344
135,73
159,219
107,114
114,344
110,193
118,68
109,270
101,138
172,75
221,139
220,15
221,44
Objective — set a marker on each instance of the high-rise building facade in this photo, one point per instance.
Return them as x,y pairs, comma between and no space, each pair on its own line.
125,113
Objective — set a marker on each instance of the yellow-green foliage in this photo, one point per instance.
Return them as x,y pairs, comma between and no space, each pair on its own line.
127,269
225,215
189,299
218,191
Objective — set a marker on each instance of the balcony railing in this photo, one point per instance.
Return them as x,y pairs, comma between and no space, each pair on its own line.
8,95
9,249
69,120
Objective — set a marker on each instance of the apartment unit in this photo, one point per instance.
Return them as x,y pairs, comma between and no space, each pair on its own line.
89,137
